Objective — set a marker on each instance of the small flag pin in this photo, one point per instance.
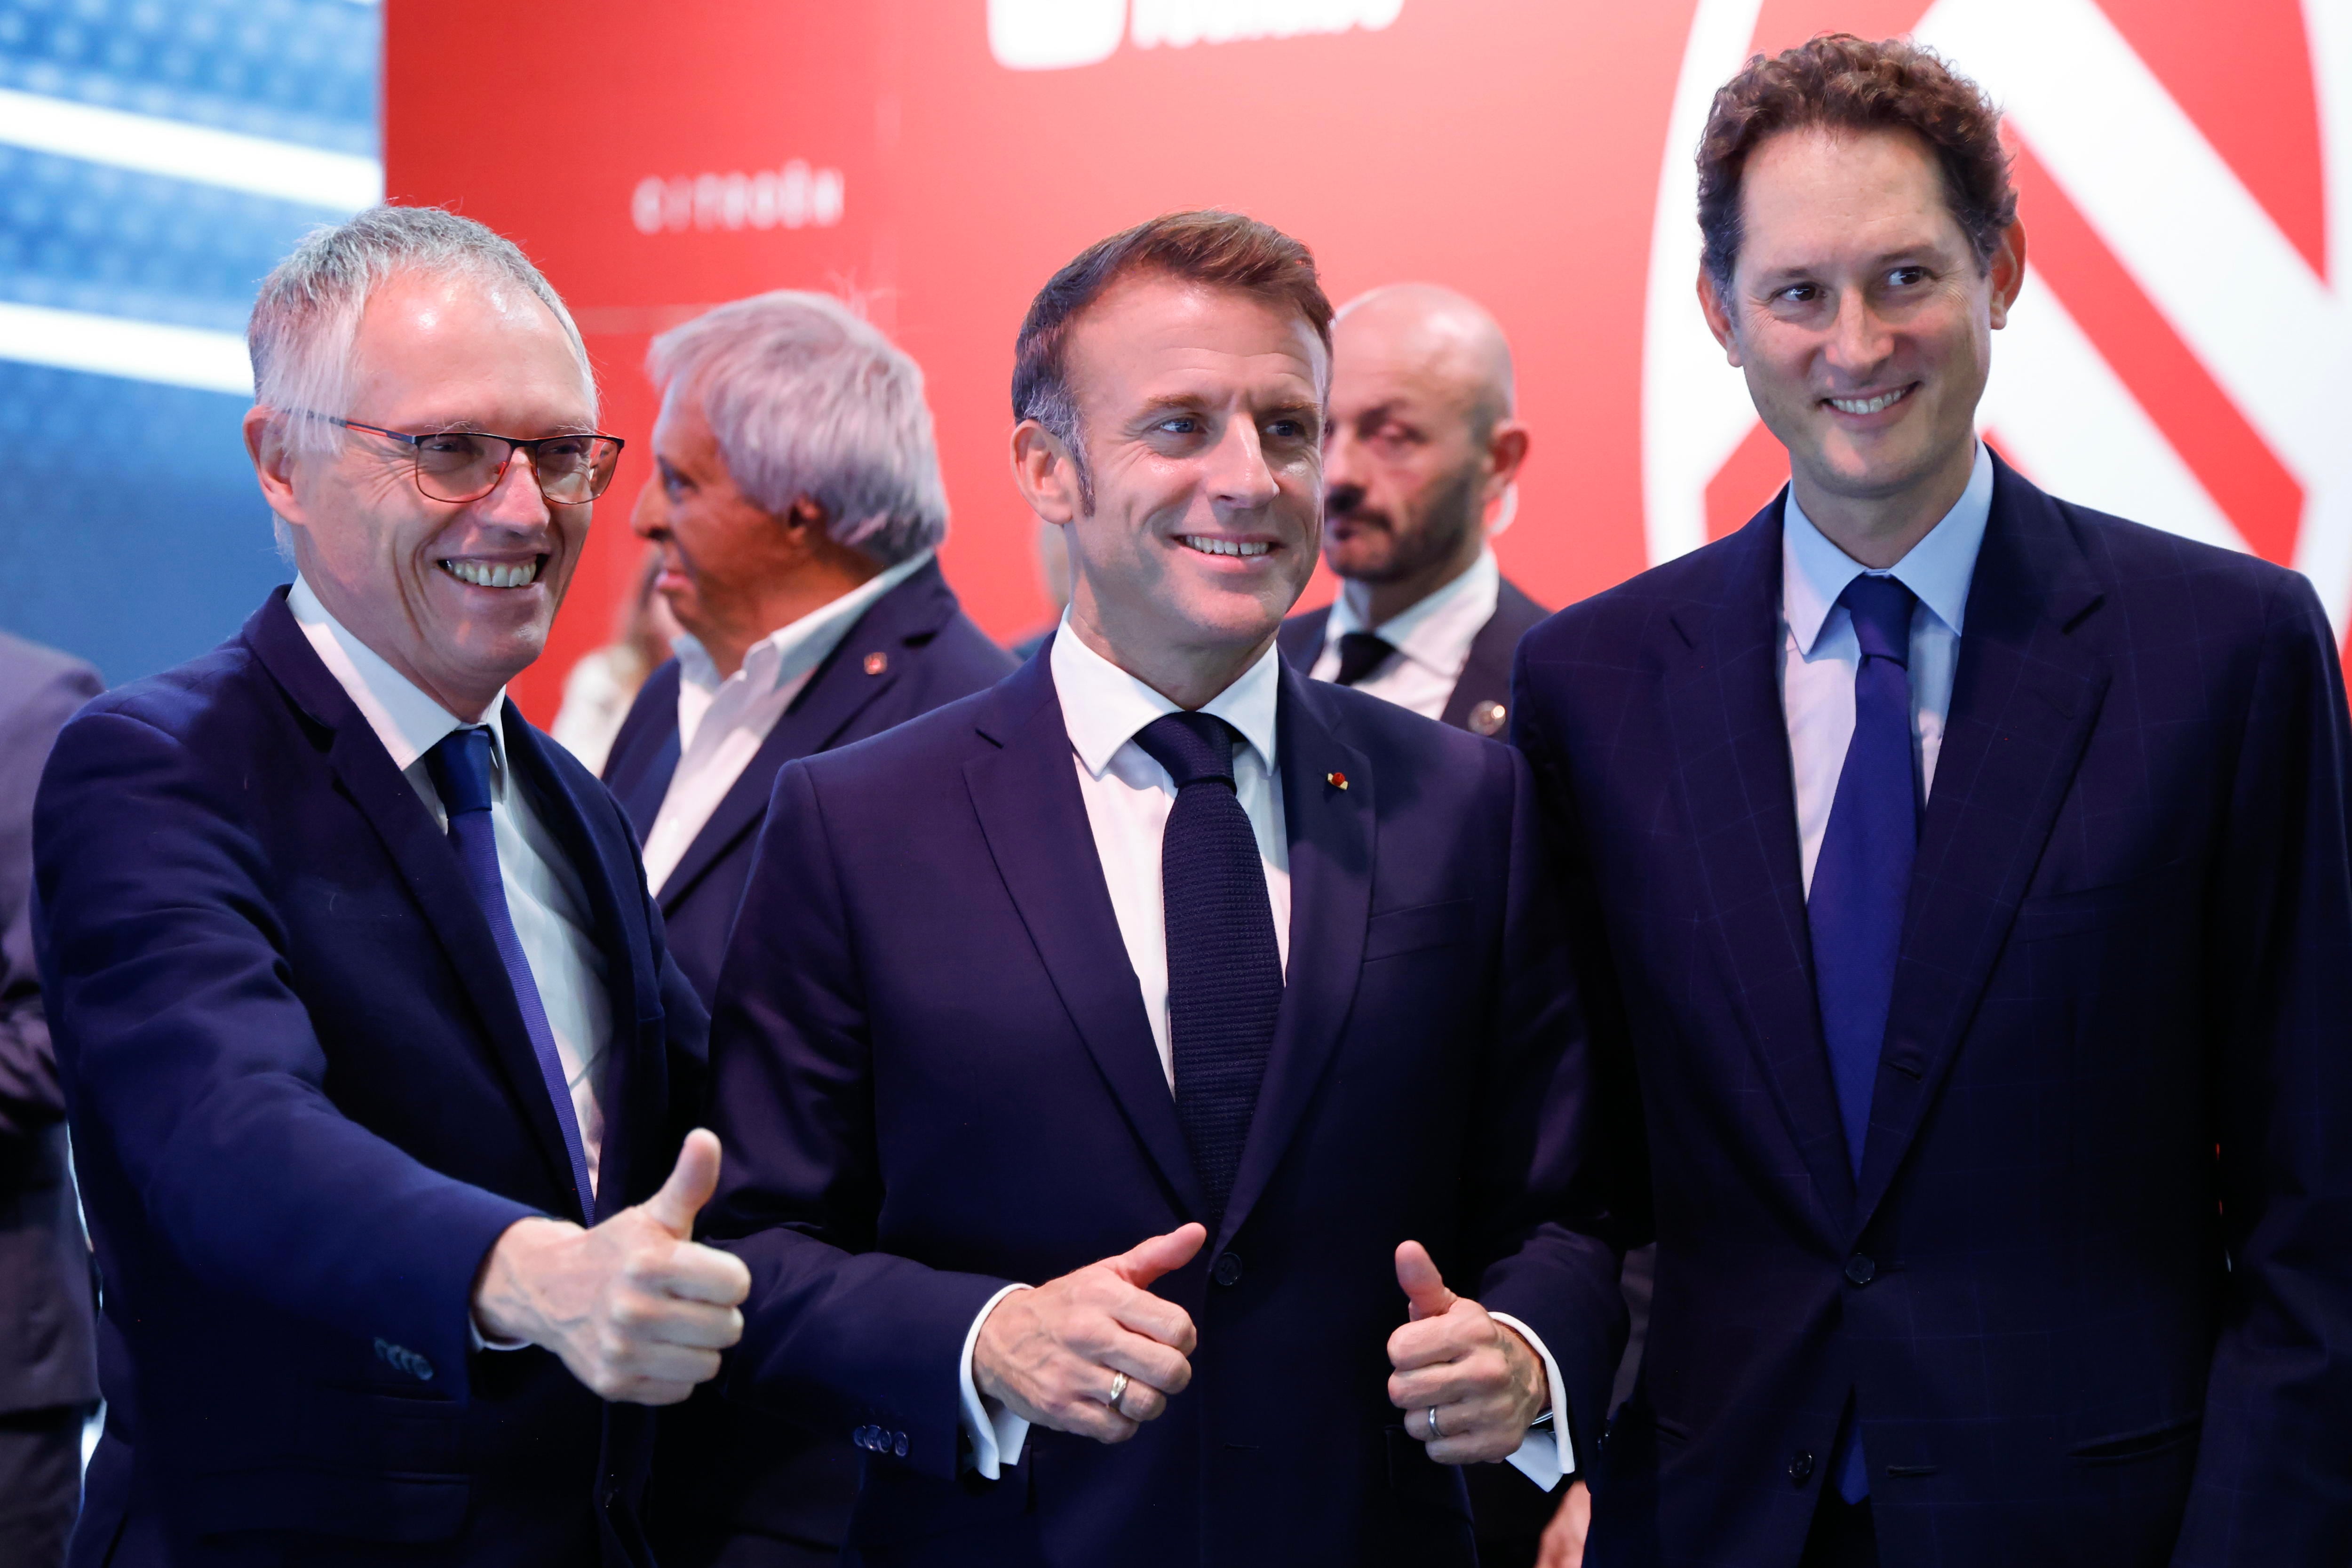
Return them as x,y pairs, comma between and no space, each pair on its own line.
1337,781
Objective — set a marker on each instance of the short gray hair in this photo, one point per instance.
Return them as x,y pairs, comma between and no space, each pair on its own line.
809,401
306,320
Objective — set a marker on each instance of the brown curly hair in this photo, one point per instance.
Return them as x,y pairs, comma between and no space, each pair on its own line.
1840,82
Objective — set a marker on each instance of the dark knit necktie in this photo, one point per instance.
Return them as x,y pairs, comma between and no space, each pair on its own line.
1862,879
1224,967
1360,653
459,764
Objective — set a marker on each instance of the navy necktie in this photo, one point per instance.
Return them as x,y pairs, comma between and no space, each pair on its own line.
459,763
1861,880
1224,967
1360,653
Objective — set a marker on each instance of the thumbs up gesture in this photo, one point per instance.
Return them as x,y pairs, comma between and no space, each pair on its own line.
1094,1352
637,1309
1469,1386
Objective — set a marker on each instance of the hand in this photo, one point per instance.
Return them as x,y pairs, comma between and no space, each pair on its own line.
1484,1381
637,1309
1563,1538
1053,1354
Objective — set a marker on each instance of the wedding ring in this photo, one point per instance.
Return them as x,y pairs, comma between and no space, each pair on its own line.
1118,1391
1434,1433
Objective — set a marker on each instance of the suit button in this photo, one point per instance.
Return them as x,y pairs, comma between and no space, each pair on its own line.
900,1447
1228,1270
1861,1270
1801,1468
862,1436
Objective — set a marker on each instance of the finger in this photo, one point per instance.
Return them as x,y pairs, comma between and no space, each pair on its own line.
693,1272
1091,1418
1424,1288
643,1393
1141,1312
661,1320
1139,1401
691,1182
1147,1362
1434,1340
1148,1261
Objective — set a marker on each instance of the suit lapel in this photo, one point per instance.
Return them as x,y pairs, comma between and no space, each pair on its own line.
1026,796
840,689
1731,739
428,865
630,1084
2025,697
1330,835
1486,673
1301,638
640,789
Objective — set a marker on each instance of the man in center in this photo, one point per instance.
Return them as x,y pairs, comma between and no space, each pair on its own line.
1118,1067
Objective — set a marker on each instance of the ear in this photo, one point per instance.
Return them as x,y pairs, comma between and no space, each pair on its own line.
1044,472
1718,312
1507,450
2008,269
273,462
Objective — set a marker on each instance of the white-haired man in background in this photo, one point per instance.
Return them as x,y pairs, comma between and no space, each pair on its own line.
379,1074
797,507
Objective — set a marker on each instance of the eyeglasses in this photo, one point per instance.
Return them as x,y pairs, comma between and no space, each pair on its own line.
467,465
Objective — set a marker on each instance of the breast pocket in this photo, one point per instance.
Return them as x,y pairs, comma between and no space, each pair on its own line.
1398,932
2049,915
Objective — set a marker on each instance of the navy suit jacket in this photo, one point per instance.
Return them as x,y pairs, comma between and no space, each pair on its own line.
304,1106
934,1075
2073,1331
1485,676
913,650
729,1473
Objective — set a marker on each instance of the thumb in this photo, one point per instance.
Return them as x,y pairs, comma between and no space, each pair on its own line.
1424,1287
1148,1261
691,1183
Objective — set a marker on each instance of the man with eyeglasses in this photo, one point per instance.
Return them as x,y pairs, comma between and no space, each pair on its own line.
378,1070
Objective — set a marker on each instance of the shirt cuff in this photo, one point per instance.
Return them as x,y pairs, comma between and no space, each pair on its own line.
474,1333
1547,1455
996,1434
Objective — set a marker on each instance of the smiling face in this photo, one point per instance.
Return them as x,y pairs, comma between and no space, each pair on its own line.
1863,324
456,596
1202,413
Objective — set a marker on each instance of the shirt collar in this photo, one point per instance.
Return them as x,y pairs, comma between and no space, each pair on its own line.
795,650
1814,571
1419,630
1103,706
408,722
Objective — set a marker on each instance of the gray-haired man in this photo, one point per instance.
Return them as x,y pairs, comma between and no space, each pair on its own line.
378,1073
797,504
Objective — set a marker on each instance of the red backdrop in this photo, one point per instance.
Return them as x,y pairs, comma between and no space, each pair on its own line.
655,160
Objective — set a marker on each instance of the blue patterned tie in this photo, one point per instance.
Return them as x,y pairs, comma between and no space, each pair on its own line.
1861,880
460,765
1224,967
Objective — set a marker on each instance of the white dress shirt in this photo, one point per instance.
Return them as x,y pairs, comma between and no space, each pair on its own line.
1128,797
1432,639
722,722
545,897
1819,653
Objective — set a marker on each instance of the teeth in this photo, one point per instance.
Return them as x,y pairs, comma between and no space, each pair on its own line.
1869,405
1208,546
489,575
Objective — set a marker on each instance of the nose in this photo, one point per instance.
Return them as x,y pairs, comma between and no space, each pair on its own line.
1240,478
1859,341
1343,463
648,517
516,501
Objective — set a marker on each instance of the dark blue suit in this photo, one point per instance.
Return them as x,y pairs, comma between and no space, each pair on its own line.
934,1076
2073,1332
304,1106
730,1478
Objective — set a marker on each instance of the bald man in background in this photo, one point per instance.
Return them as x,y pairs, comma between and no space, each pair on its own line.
1422,448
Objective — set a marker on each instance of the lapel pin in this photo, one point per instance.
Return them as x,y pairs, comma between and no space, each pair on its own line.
1337,781
1486,718
876,663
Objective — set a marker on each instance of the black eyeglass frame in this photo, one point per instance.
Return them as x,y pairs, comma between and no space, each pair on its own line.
514,443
